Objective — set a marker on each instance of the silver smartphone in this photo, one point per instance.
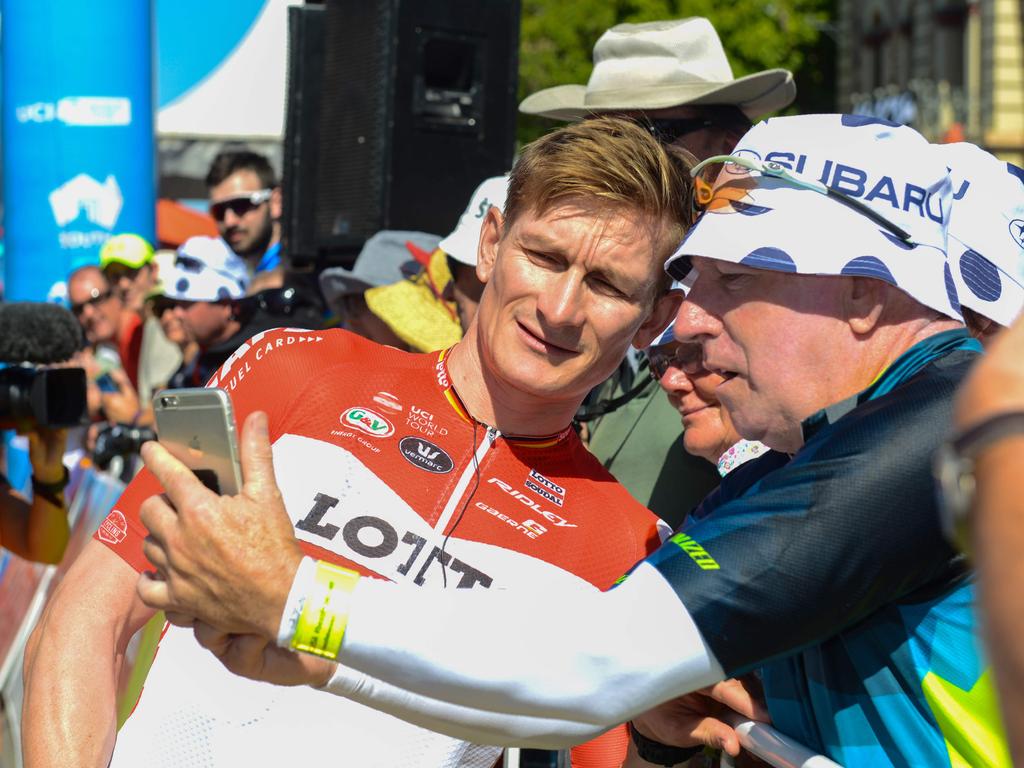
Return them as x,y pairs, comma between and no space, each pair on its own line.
197,426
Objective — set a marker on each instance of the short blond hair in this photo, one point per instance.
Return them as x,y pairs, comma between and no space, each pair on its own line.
609,160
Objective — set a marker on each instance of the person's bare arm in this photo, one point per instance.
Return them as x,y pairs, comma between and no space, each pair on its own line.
996,385
73,660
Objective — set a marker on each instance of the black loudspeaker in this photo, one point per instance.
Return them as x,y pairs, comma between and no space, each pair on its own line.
416,106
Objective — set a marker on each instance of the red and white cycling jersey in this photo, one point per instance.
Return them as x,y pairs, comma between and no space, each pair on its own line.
382,470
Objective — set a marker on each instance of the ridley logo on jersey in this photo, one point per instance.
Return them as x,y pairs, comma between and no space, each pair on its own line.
522,498
368,421
424,454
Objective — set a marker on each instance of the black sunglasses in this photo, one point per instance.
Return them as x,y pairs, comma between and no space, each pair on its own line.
241,204
688,358
163,304
96,298
669,130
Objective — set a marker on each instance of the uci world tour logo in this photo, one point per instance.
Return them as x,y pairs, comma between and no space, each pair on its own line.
368,421
425,455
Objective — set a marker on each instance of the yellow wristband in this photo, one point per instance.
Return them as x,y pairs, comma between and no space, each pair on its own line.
321,625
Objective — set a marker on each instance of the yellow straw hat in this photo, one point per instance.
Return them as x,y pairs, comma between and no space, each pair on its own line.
414,309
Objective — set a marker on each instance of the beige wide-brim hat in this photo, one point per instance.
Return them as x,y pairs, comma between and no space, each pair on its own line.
658,65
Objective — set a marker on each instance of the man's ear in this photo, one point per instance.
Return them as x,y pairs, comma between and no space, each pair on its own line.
863,303
665,309
491,231
275,204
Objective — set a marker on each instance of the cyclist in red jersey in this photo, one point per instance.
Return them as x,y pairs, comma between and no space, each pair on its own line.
454,470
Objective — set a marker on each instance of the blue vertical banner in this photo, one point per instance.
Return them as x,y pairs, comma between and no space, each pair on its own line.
78,144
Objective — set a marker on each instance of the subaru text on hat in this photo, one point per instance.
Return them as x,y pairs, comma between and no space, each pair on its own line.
842,195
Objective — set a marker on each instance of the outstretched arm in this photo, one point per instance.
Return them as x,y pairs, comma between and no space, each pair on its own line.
73,660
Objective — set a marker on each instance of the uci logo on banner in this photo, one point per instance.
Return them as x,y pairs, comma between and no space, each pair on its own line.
368,421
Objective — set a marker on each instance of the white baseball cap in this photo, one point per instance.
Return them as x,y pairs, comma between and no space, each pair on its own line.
462,242
831,195
204,269
986,231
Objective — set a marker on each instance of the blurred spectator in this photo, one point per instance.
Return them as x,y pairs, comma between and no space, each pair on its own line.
200,290
415,309
127,263
114,337
245,201
674,78
984,496
465,288
986,237
201,301
38,529
387,257
163,349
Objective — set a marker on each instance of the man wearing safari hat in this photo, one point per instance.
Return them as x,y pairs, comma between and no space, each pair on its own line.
824,301
674,76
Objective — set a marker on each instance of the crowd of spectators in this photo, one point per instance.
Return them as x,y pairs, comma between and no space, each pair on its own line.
688,419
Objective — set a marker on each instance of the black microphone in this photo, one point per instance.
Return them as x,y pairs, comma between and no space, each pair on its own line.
37,333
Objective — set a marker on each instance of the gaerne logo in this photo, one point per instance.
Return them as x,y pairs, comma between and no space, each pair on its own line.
389,401
425,455
368,421
114,529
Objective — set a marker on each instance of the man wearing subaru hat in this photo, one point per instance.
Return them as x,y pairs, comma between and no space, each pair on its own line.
823,299
986,237
674,77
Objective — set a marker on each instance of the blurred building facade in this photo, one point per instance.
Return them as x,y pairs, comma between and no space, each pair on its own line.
953,69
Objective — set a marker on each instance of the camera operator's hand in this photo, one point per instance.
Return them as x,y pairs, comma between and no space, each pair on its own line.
38,530
46,453
121,406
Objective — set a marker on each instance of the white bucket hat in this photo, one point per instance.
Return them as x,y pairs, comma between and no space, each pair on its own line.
203,269
986,231
658,65
842,195
462,242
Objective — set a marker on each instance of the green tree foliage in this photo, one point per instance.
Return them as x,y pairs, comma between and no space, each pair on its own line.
557,39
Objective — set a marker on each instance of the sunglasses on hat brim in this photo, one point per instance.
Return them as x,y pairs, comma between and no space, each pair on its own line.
704,192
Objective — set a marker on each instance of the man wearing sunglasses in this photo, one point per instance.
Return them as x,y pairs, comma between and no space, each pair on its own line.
113,330
245,201
673,77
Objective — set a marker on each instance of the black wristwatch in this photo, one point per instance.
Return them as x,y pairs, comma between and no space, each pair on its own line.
52,492
661,754
954,471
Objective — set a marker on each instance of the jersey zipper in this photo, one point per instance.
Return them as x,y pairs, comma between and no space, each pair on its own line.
470,471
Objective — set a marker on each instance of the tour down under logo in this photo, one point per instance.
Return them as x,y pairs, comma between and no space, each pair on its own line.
370,422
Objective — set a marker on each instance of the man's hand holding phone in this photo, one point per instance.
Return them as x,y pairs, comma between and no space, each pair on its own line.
225,560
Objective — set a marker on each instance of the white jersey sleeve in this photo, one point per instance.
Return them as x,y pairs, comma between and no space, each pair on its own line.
594,658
